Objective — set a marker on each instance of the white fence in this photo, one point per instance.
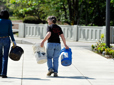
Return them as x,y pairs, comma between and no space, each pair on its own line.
73,33
90,33
33,30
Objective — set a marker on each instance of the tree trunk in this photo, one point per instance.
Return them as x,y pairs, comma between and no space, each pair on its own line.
76,14
64,8
86,13
70,10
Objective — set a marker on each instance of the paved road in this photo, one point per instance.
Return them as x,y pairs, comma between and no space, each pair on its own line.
87,68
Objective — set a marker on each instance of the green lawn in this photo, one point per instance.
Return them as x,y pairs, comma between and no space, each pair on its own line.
14,18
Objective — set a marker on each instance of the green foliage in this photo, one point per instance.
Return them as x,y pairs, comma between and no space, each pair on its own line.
23,8
92,47
112,1
82,12
14,18
108,51
32,19
113,53
3,5
102,36
101,47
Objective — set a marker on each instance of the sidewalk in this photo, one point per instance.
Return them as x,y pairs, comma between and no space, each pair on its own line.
87,68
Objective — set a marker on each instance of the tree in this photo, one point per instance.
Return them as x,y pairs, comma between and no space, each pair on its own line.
2,4
82,12
24,8
73,11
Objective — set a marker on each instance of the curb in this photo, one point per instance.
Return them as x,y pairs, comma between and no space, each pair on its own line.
23,42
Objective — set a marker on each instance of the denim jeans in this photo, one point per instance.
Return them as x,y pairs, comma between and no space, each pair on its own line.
4,50
53,51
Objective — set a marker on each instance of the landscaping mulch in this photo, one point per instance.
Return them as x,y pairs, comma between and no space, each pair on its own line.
16,26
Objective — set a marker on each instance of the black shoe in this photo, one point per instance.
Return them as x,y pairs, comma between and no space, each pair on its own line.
0,75
55,74
50,72
4,76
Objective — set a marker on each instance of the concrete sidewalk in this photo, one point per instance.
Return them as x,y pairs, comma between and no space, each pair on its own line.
87,68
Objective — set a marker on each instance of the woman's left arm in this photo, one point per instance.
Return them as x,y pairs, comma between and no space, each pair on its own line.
46,38
11,33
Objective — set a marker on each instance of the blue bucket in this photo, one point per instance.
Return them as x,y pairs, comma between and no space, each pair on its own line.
66,57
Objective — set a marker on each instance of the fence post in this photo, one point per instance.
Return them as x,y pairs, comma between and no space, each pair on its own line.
45,30
75,33
21,30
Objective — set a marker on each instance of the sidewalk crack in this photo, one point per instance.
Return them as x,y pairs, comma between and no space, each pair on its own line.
83,75
22,70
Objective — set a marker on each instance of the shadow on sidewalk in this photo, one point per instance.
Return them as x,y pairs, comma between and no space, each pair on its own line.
73,77
27,78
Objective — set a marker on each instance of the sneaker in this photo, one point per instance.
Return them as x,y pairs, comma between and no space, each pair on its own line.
55,74
4,76
50,72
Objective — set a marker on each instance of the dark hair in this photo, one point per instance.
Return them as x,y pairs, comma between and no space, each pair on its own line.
4,14
52,18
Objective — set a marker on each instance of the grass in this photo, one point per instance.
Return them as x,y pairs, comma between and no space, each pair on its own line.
14,18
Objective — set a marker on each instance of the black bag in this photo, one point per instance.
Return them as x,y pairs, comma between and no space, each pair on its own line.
15,53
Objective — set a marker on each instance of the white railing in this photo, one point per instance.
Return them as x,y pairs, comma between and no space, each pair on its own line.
73,33
69,32
90,33
39,31
33,30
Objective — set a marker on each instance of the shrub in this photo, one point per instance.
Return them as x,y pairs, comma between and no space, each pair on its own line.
32,19
101,48
92,47
113,53
102,37
108,51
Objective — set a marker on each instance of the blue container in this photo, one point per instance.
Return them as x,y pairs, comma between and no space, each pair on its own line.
66,57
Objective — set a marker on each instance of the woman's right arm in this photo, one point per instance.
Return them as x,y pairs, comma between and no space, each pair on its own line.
64,41
46,38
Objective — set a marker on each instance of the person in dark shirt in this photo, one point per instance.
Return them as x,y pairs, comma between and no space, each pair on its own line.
53,46
5,32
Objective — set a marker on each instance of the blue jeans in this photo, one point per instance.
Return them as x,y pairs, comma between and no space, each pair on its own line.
53,51
4,50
